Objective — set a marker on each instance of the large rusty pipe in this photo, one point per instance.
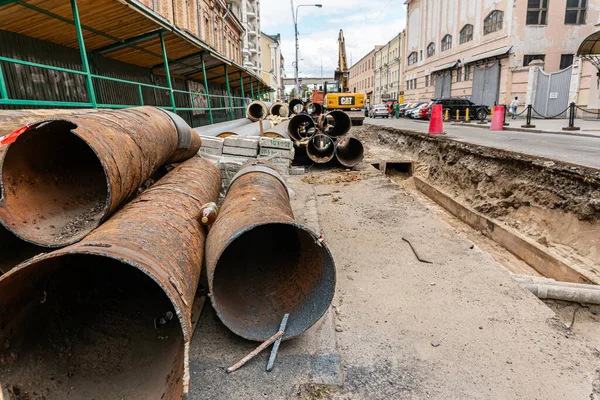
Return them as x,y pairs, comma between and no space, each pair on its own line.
335,123
320,148
110,316
301,126
252,129
258,110
314,108
296,106
279,109
218,128
14,250
278,131
262,264
349,151
63,177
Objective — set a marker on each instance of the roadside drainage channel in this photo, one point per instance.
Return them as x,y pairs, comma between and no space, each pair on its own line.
544,212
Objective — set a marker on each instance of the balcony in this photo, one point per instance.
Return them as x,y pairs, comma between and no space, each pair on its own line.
252,31
251,12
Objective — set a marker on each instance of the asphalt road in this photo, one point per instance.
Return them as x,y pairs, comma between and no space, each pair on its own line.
580,150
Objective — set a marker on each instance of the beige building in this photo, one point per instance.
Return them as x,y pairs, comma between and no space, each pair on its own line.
362,75
482,50
272,65
389,69
248,12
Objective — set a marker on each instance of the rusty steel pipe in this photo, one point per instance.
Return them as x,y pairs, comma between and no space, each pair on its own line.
335,123
301,126
14,250
296,106
314,108
278,131
262,264
252,129
110,316
349,151
218,128
320,148
279,109
63,177
257,110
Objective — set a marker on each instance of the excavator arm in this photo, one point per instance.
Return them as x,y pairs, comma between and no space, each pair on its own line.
341,73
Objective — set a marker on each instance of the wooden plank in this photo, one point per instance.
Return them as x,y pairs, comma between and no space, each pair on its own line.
549,265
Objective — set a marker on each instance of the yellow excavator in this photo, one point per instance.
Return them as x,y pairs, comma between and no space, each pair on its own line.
336,95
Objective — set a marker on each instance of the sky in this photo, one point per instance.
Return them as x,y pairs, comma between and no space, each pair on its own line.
366,23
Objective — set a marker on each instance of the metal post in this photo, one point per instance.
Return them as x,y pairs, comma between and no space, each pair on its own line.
231,115
258,88
505,123
242,86
3,92
528,123
141,95
251,89
571,126
167,73
84,60
210,113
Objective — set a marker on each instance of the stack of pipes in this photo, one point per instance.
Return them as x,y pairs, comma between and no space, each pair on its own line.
326,138
102,242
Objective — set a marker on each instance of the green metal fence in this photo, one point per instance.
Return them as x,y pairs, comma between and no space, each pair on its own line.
226,103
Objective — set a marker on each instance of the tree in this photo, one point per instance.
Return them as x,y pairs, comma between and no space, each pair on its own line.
293,93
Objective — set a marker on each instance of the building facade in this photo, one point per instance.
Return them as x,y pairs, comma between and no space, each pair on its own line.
272,64
389,69
248,12
362,75
482,50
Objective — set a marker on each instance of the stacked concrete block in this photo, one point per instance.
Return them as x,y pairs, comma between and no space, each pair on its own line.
278,151
212,146
246,146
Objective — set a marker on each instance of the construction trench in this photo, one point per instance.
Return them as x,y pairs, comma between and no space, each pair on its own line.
406,274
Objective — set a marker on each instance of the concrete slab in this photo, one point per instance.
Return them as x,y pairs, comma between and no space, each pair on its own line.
247,142
268,153
274,143
210,151
240,151
212,142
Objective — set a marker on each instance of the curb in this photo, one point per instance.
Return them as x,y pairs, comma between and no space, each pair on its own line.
566,133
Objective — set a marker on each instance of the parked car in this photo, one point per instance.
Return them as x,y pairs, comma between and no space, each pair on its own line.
476,111
414,106
423,111
416,112
404,108
379,111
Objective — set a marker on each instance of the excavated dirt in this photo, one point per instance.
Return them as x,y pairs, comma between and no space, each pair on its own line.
554,203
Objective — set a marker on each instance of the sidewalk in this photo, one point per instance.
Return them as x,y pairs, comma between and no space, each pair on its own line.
587,127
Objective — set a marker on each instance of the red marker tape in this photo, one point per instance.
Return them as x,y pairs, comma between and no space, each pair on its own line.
11,137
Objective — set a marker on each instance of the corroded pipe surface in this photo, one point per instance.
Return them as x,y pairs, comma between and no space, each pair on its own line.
320,148
257,110
349,151
279,109
278,131
296,106
218,128
335,123
301,126
252,129
62,177
261,264
110,316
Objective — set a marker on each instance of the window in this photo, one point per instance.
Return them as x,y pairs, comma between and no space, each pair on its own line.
412,58
467,72
431,49
566,60
446,43
575,13
459,74
530,57
426,80
493,22
466,34
537,12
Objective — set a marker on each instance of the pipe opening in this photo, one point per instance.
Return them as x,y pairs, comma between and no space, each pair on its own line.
296,106
83,327
314,108
280,109
336,123
320,148
257,111
301,126
54,185
349,152
268,271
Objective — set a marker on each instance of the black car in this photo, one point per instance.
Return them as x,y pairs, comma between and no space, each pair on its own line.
479,112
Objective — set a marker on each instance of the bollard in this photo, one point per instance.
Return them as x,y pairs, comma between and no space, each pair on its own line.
447,116
571,126
529,111
457,115
467,120
505,108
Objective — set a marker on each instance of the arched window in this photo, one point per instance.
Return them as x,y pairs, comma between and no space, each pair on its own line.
493,22
431,49
446,42
466,34
412,58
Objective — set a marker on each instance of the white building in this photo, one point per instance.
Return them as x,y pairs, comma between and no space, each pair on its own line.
273,70
248,12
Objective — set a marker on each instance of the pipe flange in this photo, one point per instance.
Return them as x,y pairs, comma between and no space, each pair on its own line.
184,132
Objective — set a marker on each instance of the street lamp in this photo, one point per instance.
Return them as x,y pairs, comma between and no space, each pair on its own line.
295,16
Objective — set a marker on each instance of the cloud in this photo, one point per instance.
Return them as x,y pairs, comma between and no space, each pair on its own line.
365,24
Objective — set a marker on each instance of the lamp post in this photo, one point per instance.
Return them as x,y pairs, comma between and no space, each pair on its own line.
295,16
